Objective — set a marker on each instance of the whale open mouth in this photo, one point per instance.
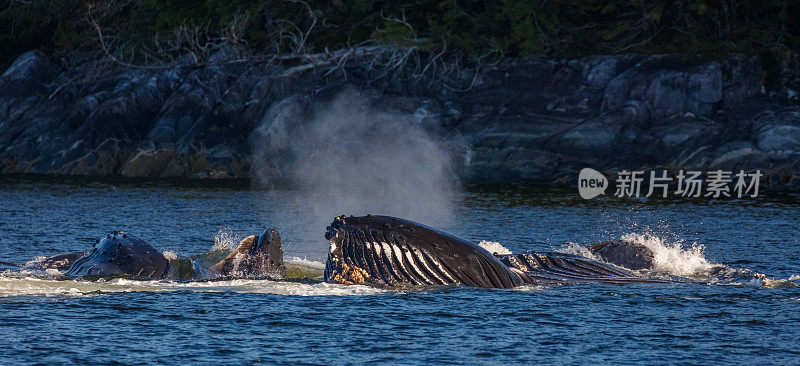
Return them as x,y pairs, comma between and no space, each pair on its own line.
391,251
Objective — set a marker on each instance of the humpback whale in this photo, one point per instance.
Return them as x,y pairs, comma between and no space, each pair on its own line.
389,250
120,253
383,250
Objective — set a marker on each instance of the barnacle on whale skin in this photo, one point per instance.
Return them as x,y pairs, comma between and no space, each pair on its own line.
349,275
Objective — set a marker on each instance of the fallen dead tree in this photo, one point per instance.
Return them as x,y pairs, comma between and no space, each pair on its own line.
196,47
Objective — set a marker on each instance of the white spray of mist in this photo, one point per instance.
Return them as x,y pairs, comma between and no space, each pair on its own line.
349,157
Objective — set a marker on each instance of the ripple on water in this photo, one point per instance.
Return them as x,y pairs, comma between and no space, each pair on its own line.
55,321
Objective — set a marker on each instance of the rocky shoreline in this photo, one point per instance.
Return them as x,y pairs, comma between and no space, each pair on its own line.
524,121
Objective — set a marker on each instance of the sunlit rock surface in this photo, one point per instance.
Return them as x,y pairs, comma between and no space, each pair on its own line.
521,121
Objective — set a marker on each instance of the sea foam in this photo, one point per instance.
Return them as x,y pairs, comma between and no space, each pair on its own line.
30,286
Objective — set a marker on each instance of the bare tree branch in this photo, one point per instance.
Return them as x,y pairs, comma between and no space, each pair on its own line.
198,45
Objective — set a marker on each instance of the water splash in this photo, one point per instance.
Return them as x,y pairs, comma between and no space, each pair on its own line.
225,240
671,257
577,249
33,262
761,280
494,247
34,268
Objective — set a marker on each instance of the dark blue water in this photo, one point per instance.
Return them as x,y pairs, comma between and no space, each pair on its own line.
742,317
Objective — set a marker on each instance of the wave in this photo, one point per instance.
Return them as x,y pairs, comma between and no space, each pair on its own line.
12,286
52,282
306,262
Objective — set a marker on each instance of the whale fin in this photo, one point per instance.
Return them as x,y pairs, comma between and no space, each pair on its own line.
392,251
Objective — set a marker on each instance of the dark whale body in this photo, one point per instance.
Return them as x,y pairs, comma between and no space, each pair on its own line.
624,253
391,251
121,254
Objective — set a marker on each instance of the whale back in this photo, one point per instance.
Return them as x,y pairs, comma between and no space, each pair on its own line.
392,251
625,254
121,254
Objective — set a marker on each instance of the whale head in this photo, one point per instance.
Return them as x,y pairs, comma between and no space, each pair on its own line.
256,256
120,253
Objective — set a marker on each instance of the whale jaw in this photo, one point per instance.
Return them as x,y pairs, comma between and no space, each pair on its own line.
383,250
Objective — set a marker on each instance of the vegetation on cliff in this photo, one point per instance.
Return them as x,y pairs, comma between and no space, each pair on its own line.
162,31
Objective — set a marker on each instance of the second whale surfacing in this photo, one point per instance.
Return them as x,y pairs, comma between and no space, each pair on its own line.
383,250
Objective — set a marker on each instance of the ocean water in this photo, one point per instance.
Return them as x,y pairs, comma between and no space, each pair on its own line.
745,307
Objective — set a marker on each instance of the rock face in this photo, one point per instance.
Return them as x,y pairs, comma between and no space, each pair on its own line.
523,121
